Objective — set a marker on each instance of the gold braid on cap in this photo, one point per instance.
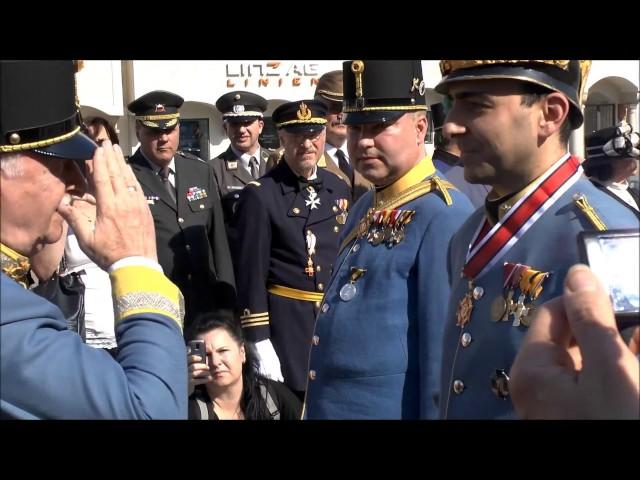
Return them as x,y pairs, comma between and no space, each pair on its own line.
166,116
315,121
38,144
448,66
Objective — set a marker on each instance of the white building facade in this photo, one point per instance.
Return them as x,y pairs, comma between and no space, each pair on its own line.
105,87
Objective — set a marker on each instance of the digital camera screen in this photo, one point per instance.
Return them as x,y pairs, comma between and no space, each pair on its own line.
614,257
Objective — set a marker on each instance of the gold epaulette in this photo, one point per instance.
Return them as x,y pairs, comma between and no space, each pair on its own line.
585,207
431,184
248,319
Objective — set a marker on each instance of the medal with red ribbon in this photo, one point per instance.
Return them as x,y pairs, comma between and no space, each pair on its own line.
489,244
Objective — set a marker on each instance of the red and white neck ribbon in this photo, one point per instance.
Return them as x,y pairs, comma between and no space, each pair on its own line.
486,248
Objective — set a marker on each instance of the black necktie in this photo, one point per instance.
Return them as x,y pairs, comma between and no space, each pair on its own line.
303,183
344,165
255,168
164,176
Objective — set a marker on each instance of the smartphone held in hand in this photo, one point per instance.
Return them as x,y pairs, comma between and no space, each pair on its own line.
197,347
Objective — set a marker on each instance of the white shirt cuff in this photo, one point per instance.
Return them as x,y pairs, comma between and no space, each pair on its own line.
135,261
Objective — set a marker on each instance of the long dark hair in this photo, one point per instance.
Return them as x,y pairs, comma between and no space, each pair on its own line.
251,403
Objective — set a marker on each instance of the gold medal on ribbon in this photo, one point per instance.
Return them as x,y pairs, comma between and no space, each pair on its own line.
465,307
531,287
365,224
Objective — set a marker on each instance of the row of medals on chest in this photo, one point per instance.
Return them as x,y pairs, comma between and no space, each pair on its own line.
379,226
507,307
385,226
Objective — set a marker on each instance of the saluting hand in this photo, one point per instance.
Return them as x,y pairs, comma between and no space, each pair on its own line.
123,225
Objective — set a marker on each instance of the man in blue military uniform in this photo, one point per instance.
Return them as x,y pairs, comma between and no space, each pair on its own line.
512,120
612,157
182,194
46,371
377,341
245,160
285,241
446,158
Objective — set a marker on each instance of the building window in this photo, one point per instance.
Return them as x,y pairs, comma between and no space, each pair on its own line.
194,137
269,136
597,117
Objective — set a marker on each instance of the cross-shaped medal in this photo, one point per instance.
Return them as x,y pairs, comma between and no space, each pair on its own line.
313,200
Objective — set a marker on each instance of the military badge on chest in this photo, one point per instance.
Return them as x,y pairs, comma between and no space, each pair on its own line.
196,193
522,286
385,226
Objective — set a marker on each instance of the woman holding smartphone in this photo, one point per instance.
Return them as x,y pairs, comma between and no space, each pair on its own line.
226,384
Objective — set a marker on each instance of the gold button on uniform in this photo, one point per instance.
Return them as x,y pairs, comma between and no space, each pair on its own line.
180,220
458,386
466,339
295,211
318,268
336,229
335,209
316,340
320,287
317,304
312,374
201,206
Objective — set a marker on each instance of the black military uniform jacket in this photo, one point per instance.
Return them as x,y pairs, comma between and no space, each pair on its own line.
269,249
232,177
191,242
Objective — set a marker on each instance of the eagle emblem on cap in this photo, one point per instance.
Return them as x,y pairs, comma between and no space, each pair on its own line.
160,108
238,108
303,112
